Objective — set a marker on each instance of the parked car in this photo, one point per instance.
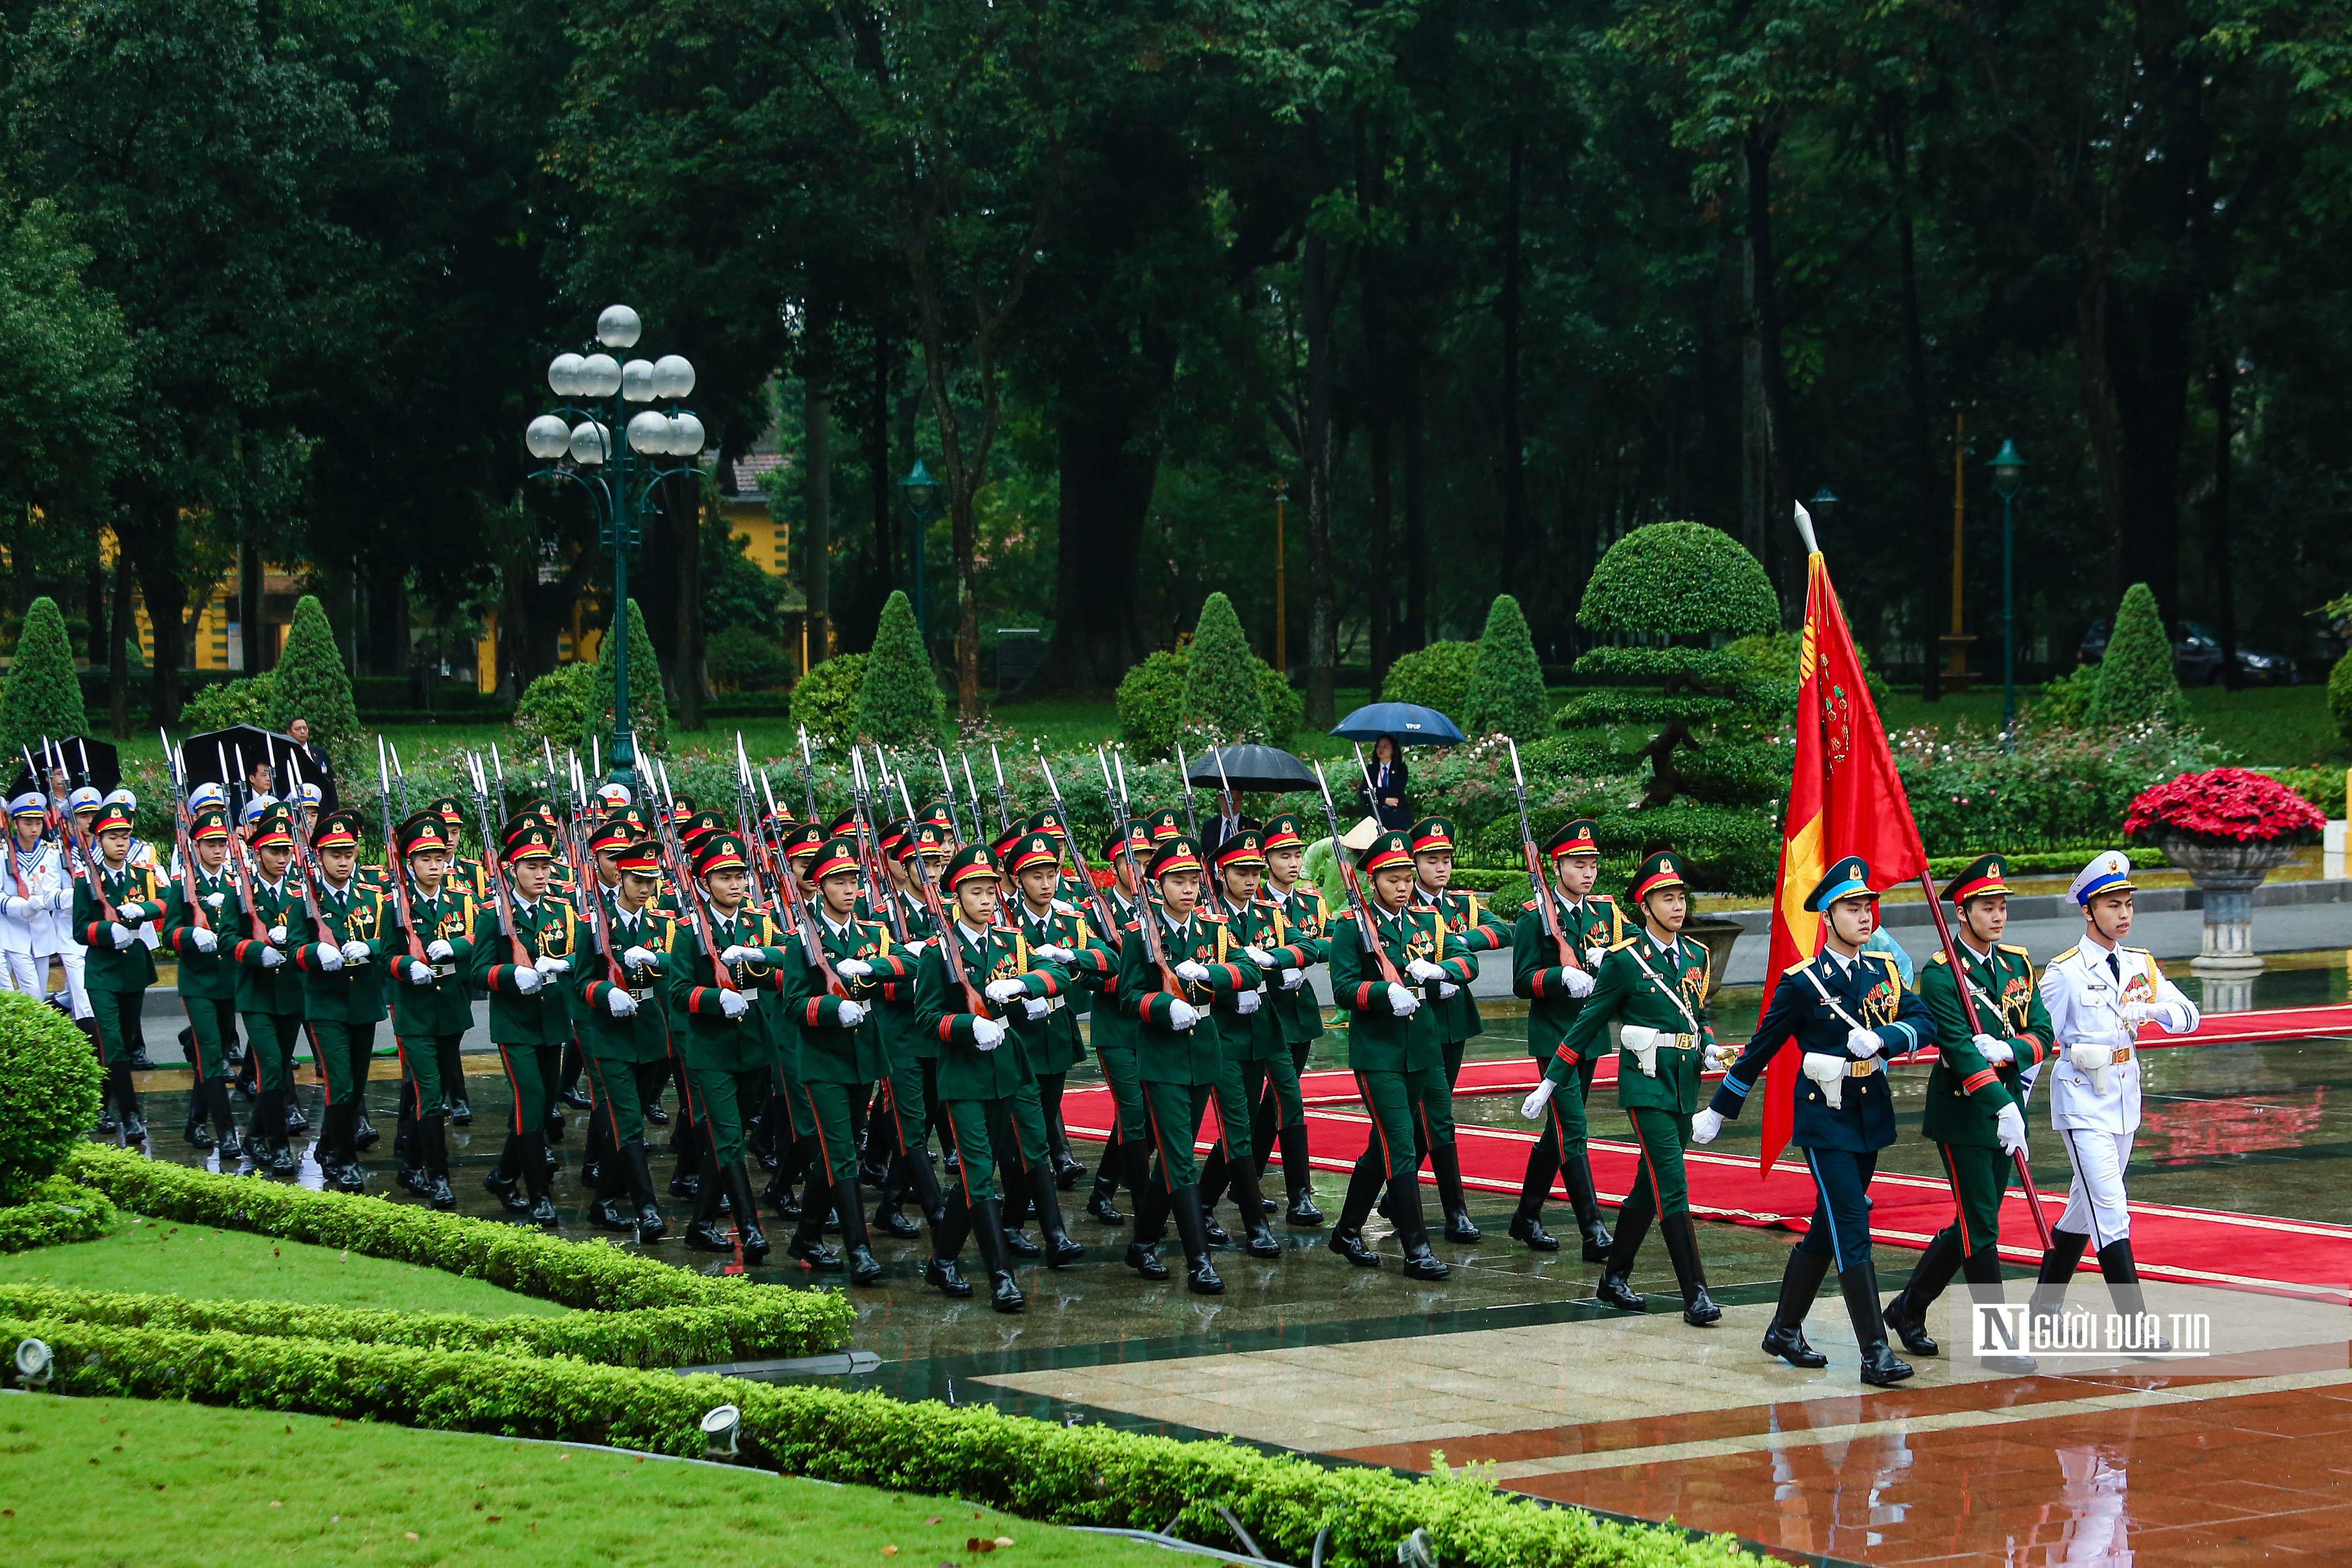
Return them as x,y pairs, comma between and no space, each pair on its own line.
2197,658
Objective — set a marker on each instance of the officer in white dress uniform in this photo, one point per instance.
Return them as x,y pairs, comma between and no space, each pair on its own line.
36,898
2099,995
83,805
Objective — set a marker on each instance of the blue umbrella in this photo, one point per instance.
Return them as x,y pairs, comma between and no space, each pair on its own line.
1411,723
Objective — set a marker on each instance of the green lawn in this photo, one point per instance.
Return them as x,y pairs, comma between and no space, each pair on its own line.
92,1482
202,1264
2266,725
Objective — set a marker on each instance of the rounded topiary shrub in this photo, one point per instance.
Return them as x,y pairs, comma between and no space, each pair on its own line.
1436,676
311,684
2137,682
1221,690
49,1091
2339,695
900,703
825,700
1679,579
43,697
557,706
1506,685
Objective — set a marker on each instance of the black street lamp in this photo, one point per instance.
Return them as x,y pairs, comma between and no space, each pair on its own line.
923,501
2008,473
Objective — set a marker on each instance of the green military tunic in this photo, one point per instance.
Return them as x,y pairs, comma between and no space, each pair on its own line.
528,1027
1399,1061
1479,930
840,1063
117,977
427,1015
345,1004
269,995
990,1095
627,1058
1965,1093
1591,924
730,1059
1659,985
208,975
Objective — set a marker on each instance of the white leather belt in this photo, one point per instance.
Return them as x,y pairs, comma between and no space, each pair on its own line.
444,971
1057,1004
1864,1068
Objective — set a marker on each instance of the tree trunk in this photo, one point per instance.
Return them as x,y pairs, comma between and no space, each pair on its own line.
690,607
387,618
1107,473
1416,527
1924,498
2225,602
94,610
252,634
2151,375
124,631
1380,597
155,555
816,535
1515,554
2098,420
877,466
1763,395
1321,462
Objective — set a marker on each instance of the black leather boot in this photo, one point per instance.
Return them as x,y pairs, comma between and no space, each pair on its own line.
2121,1271
1615,1289
1347,1235
1046,1194
1907,1315
1106,1188
1801,1281
889,1207
1257,1237
1879,1366
864,1268
363,1133
748,1234
432,1147
1150,1213
1682,1245
1981,1270
1411,1231
1576,1175
807,1242
988,1230
1298,1179
651,1226
947,1241
1445,1160
705,1234
1215,1173
2058,1266
1199,1276
1014,1209
1067,1171
132,1119
505,1179
534,1180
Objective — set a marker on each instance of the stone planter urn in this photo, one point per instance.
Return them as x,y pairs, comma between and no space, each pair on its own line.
2227,872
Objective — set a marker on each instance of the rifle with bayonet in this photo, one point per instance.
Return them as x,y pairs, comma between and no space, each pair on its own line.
1356,904
1547,904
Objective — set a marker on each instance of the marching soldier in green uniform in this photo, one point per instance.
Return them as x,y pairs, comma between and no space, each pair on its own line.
470,877
270,990
627,1021
208,968
115,908
523,969
1255,1054
1302,927
1479,930
1846,1012
904,1109
1179,1056
1048,1027
842,1053
1976,1093
1554,972
1395,1049
342,990
1655,985
431,998
1112,1030
984,1081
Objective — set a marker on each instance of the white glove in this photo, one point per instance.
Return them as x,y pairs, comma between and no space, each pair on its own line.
1056,952
355,953
20,909
1182,1015
2009,1128
416,973
918,944
1719,1057
1246,1002
548,965
1995,1051
640,958
1192,970
1006,990
987,1033
737,954
1403,1002
1644,1043
278,937
1829,1071
852,1014
1446,989
1259,957
1532,1107
1579,982
1424,971
120,933
1035,1007
1706,1124
1865,1043
271,957
853,968
2137,1013
619,1003
1293,979
1593,956
734,1004
206,941
331,957
439,950
215,900
527,981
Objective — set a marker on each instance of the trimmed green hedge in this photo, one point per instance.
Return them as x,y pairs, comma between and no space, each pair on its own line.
591,1274
52,1211
1079,1475
795,1322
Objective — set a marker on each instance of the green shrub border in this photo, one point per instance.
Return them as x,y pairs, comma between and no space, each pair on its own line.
56,1211
798,1323
1076,1474
587,1274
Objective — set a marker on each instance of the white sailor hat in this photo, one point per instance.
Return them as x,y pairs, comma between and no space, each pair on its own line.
207,794
258,805
32,803
2109,871
612,793
309,794
122,797
85,799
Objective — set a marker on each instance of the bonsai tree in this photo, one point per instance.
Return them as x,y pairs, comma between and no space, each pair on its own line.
1220,691
43,697
310,683
900,704
2135,678
1674,594
1506,692
647,712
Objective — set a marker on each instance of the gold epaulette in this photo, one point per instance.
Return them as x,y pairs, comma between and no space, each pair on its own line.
2013,947
1798,966
1939,957
2066,955
2141,951
1622,943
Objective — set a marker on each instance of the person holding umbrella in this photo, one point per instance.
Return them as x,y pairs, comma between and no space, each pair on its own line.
1387,794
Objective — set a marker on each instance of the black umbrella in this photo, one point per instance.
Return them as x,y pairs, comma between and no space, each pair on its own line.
216,756
1265,769
85,761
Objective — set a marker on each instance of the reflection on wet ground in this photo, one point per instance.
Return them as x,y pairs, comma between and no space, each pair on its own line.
1511,1360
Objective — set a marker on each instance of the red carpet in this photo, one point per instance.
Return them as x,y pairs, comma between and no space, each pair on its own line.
2191,1245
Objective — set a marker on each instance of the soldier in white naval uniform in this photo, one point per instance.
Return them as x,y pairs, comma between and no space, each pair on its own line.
2099,994
36,899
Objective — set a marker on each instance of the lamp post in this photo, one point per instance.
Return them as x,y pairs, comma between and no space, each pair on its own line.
923,502
1281,598
2008,473
577,441
1824,501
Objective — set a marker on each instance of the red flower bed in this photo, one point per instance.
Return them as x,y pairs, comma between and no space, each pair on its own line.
2228,804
